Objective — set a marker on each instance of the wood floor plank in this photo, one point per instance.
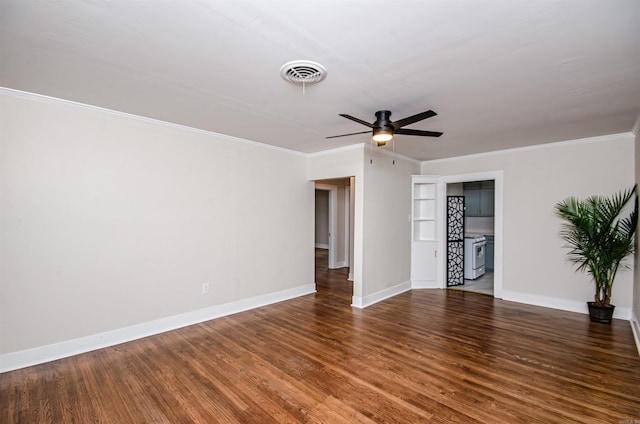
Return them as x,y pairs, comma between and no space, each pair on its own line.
423,356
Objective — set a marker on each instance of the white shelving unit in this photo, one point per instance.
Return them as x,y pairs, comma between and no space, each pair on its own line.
424,211
424,230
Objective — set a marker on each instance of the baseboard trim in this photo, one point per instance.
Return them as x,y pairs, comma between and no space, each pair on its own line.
424,284
562,304
39,355
363,302
339,265
635,328
322,246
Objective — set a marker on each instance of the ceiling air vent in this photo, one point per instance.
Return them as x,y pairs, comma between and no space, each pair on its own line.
303,72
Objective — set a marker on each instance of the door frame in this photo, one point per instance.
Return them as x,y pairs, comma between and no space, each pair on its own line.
498,178
333,214
347,227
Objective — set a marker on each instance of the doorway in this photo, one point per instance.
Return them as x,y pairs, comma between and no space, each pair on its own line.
332,285
333,247
483,225
326,217
478,223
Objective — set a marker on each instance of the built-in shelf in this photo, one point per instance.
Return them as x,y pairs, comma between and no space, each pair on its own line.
424,230
424,191
424,211
424,226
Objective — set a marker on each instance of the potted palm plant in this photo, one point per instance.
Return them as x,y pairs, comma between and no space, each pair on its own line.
599,239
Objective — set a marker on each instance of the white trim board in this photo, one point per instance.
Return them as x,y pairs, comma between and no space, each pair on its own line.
561,304
39,355
533,147
510,296
425,284
41,97
48,99
363,302
635,328
395,155
333,220
357,146
364,146
26,358
347,225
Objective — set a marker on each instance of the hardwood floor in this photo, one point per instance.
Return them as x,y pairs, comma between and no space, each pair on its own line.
424,356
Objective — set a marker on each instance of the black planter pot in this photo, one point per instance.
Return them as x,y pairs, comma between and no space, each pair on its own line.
601,314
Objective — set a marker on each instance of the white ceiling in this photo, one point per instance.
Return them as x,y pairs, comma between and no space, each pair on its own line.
499,73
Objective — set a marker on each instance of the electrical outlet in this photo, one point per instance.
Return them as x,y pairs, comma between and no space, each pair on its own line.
205,288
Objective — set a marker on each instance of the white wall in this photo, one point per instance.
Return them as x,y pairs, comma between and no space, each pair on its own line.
109,221
387,228
382,230
455,189
535,179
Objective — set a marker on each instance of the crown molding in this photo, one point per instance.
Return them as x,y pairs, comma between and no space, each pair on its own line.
398,156
588,140
358,146
364,147
55,100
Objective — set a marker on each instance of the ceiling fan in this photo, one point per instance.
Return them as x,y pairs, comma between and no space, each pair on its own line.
384,129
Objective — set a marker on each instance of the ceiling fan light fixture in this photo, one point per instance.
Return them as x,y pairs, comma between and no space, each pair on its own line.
382,135
384,129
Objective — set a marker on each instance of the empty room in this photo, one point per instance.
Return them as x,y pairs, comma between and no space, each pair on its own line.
319,212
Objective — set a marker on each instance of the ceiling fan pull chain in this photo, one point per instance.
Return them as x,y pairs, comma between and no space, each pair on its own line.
393,147
371,152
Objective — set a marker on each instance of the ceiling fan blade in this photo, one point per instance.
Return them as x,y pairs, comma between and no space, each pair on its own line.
411,119
418,132
359,121
344,135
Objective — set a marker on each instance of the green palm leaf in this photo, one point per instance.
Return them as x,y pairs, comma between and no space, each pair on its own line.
597,237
